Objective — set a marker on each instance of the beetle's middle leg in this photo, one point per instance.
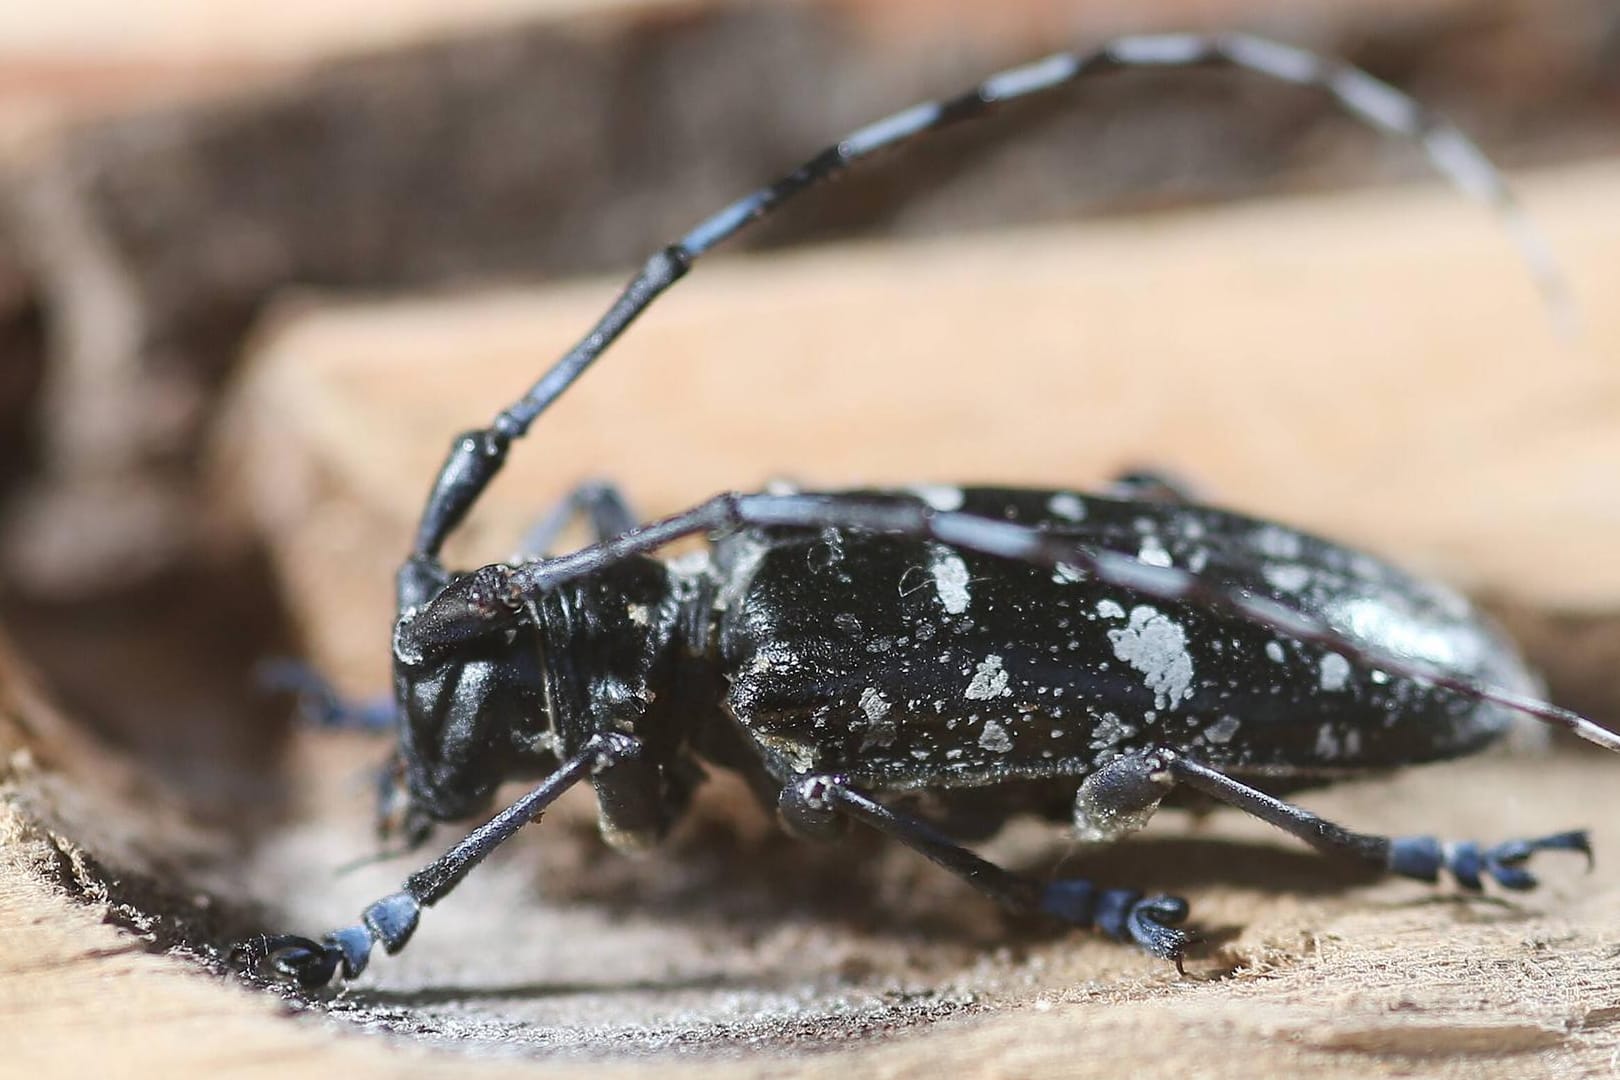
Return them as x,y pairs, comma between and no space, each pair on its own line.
816,806
1119,797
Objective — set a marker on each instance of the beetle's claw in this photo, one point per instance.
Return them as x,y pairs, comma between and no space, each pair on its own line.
1505,861
288,956
1124,915
1152,925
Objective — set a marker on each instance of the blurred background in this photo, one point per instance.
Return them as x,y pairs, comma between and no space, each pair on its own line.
172,172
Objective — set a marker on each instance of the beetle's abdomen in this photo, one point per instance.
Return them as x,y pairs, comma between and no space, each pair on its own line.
911,664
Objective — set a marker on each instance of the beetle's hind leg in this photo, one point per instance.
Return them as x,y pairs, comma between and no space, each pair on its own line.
816,806
1121,795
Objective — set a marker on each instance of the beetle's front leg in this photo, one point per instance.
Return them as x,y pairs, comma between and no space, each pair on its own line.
319,701
815,806
1119,797
606,511
392,920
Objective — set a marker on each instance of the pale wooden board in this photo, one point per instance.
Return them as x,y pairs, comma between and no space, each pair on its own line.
1374,367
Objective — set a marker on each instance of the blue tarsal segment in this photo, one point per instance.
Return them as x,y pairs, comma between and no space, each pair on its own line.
354,942
393,920
1423,857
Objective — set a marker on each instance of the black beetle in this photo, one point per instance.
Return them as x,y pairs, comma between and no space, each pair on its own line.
931,662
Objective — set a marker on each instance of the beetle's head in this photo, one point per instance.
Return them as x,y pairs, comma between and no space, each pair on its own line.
471,686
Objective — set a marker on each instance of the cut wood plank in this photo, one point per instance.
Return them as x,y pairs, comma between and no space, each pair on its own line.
1373,367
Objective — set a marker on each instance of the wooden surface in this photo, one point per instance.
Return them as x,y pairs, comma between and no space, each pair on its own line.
1375,367
615,971
1325,362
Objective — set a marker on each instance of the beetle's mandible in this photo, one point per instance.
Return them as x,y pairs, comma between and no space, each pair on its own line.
930,662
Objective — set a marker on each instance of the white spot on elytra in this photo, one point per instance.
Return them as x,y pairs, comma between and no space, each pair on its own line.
995,738
989,680
1064,574
951,580
1327,743
1153,552
938,496
1067,506
1335,671
1288,577
880,730
1222,730
1156,645
1110,731
1276,542
1110,610
1274,650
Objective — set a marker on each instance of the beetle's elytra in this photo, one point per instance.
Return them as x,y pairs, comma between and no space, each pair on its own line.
931,662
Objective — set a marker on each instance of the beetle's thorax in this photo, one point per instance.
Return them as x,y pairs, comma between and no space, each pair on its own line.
492,690
606,645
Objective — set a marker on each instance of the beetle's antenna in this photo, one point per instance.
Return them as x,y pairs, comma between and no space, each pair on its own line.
476,457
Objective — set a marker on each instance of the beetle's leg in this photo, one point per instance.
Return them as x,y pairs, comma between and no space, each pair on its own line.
1116,797
393,919
319,701
636,801
814,806
603,505
320,705
1154,485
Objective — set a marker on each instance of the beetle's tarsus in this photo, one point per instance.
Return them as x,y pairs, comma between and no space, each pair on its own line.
288,956
1152,924
1424,857
1125,915
392,920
